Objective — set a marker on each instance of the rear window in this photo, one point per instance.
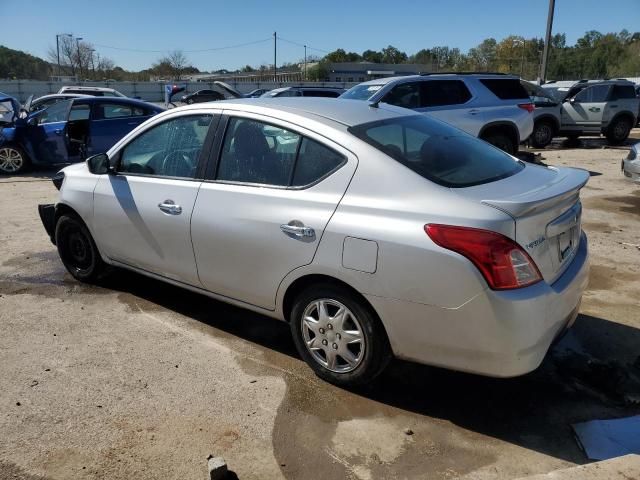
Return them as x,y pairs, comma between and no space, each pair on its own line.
623,91
438,152
505,88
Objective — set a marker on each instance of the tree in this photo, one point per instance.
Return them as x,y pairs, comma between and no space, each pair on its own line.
172,65
392,55
372,56
340,56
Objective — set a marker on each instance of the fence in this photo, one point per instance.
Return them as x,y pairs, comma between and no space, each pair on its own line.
149,91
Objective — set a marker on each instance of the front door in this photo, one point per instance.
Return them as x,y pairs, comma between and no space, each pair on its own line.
586,108
143,213
45,136
263,213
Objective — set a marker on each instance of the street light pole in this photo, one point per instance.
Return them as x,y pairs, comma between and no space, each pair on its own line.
58,35
79,57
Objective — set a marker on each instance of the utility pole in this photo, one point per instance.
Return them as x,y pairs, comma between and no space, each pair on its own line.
79,57
305,63
275,68
524,44
547,42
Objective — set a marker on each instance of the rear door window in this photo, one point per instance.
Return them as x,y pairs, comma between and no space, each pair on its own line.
79,112
115,110
438,152
505,88
443,92
315,161
621,92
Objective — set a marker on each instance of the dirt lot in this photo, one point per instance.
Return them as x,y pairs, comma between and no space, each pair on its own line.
137,379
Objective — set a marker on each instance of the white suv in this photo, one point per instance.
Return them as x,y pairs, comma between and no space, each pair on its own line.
490,106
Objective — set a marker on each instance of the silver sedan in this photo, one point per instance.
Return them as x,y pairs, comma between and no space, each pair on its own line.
374,231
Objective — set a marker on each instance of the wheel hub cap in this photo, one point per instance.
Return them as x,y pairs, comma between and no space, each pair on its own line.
10,160
333,336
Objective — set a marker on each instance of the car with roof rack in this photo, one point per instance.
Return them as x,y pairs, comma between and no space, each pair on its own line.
490,106
597,107
327,92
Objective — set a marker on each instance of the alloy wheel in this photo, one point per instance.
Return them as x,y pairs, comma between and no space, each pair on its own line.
11,160
333,335
543,134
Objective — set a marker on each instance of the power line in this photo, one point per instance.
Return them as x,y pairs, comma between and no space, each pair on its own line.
301,45
212,49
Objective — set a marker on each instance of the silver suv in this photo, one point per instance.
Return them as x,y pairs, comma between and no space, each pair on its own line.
490,106
608,107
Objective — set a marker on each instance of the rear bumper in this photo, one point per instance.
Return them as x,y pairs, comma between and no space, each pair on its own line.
48,216
497,333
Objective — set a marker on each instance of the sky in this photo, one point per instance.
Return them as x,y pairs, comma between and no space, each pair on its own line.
135,33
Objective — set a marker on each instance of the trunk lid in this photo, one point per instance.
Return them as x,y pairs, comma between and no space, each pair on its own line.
545,205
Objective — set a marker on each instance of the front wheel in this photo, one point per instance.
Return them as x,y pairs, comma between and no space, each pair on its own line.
13,160
618,131
339,336
77,249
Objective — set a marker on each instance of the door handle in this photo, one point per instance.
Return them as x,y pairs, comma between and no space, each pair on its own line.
474,111
298,230
169,206
613,106
594,109
58,132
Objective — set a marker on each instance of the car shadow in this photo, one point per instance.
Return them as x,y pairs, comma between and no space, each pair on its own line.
592,373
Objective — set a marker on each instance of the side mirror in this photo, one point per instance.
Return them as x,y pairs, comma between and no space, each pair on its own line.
573,100
99,164
33,122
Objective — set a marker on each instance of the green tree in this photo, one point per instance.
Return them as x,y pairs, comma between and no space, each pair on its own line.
392,55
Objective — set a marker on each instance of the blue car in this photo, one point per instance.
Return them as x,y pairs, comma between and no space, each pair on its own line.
69,131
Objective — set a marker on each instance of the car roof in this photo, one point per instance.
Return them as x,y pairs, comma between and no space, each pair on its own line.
385,80
92,89
64,95
123,100
344,112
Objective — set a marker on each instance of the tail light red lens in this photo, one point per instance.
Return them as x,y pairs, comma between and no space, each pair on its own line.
529,107
503,263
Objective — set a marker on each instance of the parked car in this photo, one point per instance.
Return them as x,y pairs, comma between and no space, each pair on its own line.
256,93
47,100
631,164
373,231
606,107
304,92
563,89
493,107
546,116
94,91
202,96
69,131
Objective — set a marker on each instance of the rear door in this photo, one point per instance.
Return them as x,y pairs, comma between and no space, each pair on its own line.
623,99
450,101
586,109
112,120
264,208
142,214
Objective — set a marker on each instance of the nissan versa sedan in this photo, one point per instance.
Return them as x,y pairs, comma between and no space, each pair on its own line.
374,231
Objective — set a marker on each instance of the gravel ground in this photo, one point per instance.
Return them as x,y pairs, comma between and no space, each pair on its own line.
138,379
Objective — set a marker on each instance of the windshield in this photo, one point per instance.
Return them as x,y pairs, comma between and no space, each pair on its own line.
437,151
361,92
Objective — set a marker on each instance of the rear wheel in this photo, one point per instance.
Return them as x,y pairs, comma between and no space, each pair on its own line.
189,101
339,336
502,141
618,131
13,160
542,134
77,249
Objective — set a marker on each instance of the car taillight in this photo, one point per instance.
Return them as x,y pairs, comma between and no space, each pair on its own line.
529,107
502,262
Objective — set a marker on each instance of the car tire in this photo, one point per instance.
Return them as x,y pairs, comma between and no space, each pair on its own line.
77,250
542,134
501,141
618,131
348,350
13,160
189,101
